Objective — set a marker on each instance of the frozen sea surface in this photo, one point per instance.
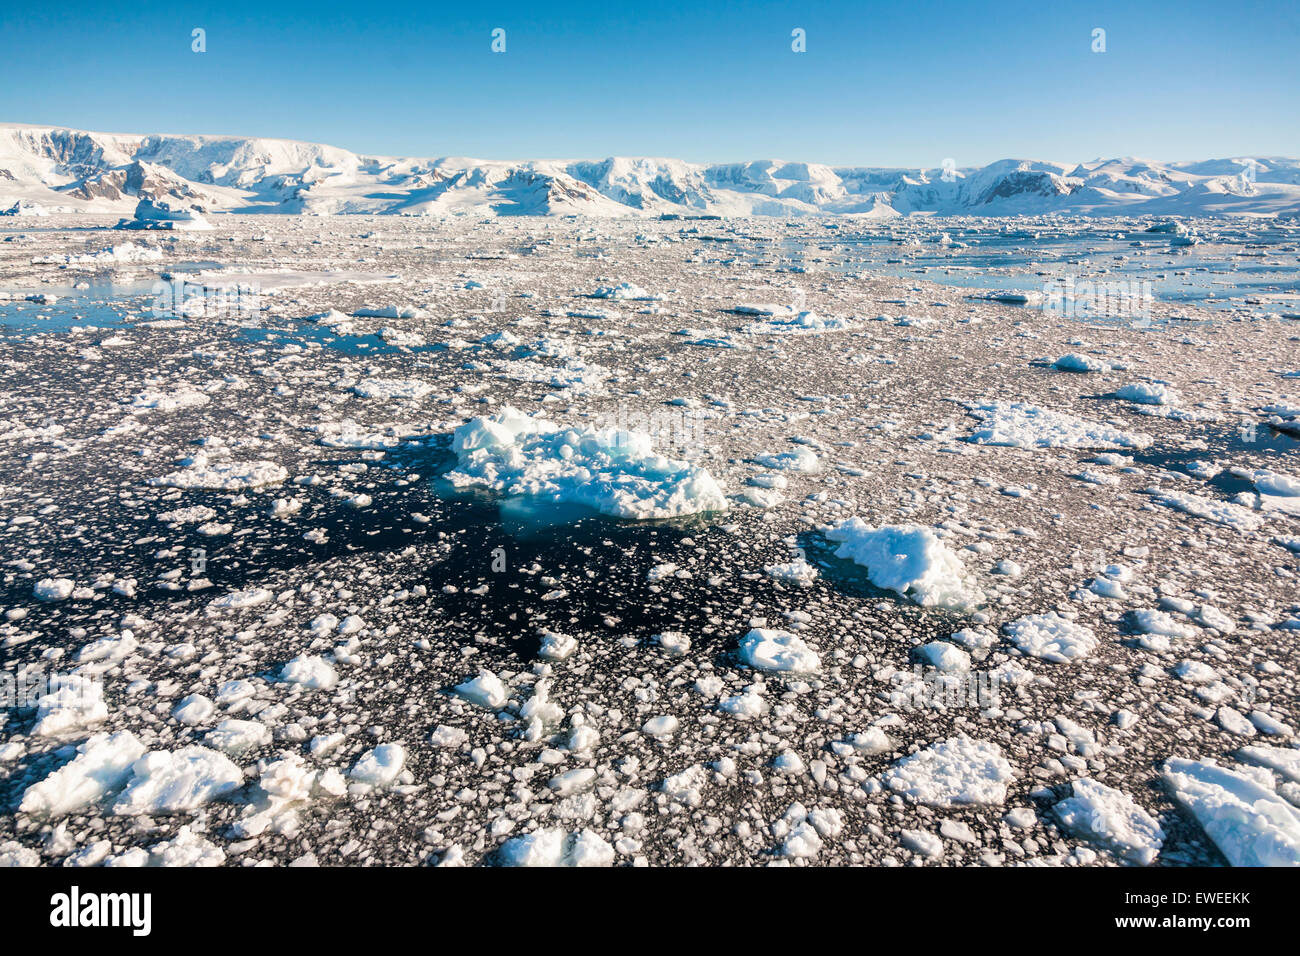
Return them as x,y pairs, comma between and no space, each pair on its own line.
288,629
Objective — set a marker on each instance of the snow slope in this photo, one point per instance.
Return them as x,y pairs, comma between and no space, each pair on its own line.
74,170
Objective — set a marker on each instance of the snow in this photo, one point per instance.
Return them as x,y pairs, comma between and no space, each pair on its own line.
234,174
612,471
1052,637
779,652
1111,819
907,559
1249,823
1020,425
954,772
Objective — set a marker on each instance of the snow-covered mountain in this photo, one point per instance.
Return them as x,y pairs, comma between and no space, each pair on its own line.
55,169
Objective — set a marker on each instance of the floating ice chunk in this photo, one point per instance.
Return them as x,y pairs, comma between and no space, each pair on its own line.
389,312
54,589
166,213
14,854
1225,513
790,763
907,559
1148,393
799,459
237,736
1051,637
869,742
185,849
225,476
168,401
444,736
102,766
1290,542
379,768
664,725
127,252
177,781
1277,492
1080,363
1112,819
802,842
193,710
624,291
389,389
953,772
1151,621
239,600
1250,824
573,781
797,572
613,471
553,847
672,643
285,784
1234,722
557,647
923,843
1018,425
539,713
1282,760
311,671
746,705
779,651
486,690
1194,672
943,657
72,702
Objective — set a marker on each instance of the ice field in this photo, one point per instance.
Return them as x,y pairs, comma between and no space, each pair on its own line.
574,541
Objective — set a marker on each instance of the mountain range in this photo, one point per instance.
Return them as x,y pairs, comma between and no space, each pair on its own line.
46,168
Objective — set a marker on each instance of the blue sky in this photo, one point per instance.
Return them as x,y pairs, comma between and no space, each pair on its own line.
899,84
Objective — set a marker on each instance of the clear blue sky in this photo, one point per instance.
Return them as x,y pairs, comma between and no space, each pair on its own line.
899,84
